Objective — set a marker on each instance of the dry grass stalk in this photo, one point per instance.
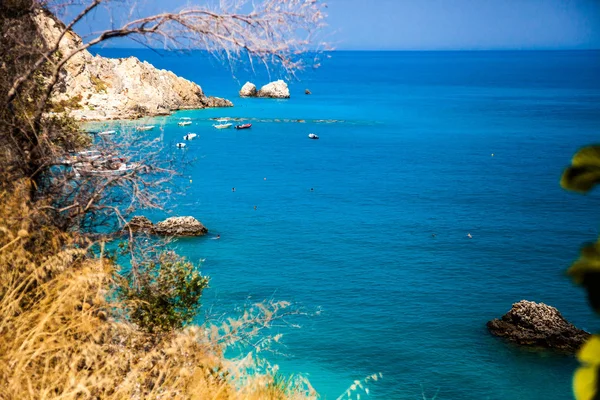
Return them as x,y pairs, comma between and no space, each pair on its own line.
62,337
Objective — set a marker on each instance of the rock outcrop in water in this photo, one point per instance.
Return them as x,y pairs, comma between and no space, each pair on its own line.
538,325
140,224
180,226
248,90
99,88
274,90
174,226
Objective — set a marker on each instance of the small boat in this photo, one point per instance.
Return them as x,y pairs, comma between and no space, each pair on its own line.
189,136
222,126
243,126
86,156
185,121
144,128
224,119
312,136
103,133
180,145
80,158
111,167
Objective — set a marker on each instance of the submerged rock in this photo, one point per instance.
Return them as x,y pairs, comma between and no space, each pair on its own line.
539,325
275,90
248,90
174,226
180,226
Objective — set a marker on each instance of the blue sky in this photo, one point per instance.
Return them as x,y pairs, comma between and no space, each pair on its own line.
443,24
465,24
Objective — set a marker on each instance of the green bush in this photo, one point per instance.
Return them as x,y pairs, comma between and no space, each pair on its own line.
72,103
98,83
164,293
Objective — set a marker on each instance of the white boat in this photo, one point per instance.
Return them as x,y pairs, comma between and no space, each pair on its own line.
144,128
222,126
312,136
225,119
85,156
180,145
189,136
108,170
80,158
107,133
185,121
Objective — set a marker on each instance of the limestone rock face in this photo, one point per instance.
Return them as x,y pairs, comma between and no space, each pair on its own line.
537,324
99,88
275,90
180,226
248,90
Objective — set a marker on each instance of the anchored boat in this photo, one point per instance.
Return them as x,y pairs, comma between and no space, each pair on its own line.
185,121
222,126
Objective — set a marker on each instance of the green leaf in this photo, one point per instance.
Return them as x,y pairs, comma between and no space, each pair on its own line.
588,262
586,272
585,380
584,172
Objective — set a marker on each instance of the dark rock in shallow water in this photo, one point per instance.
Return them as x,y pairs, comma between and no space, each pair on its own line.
174,226
139,224
539,325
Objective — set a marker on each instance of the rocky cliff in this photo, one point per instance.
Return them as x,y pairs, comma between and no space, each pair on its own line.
99,88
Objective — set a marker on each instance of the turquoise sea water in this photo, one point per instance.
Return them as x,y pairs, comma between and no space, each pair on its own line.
410,155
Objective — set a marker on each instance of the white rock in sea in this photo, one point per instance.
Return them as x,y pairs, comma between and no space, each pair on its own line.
99,88
276,90
248,90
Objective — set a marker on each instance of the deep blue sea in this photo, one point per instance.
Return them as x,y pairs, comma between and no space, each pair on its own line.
412,144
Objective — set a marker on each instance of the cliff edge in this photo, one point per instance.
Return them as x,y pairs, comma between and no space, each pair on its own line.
100,88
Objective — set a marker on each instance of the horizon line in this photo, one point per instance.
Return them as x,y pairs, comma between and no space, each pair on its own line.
371,50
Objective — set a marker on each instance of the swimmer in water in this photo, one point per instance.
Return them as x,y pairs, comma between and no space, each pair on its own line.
255,207
233,189
469,236
312,190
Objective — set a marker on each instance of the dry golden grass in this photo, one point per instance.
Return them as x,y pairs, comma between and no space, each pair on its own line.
61,337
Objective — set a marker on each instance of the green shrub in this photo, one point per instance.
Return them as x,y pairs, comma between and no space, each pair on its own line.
164,293
72,103
98,83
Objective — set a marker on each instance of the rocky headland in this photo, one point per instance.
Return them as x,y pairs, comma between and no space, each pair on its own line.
274,90
538,325
96,88
173,226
